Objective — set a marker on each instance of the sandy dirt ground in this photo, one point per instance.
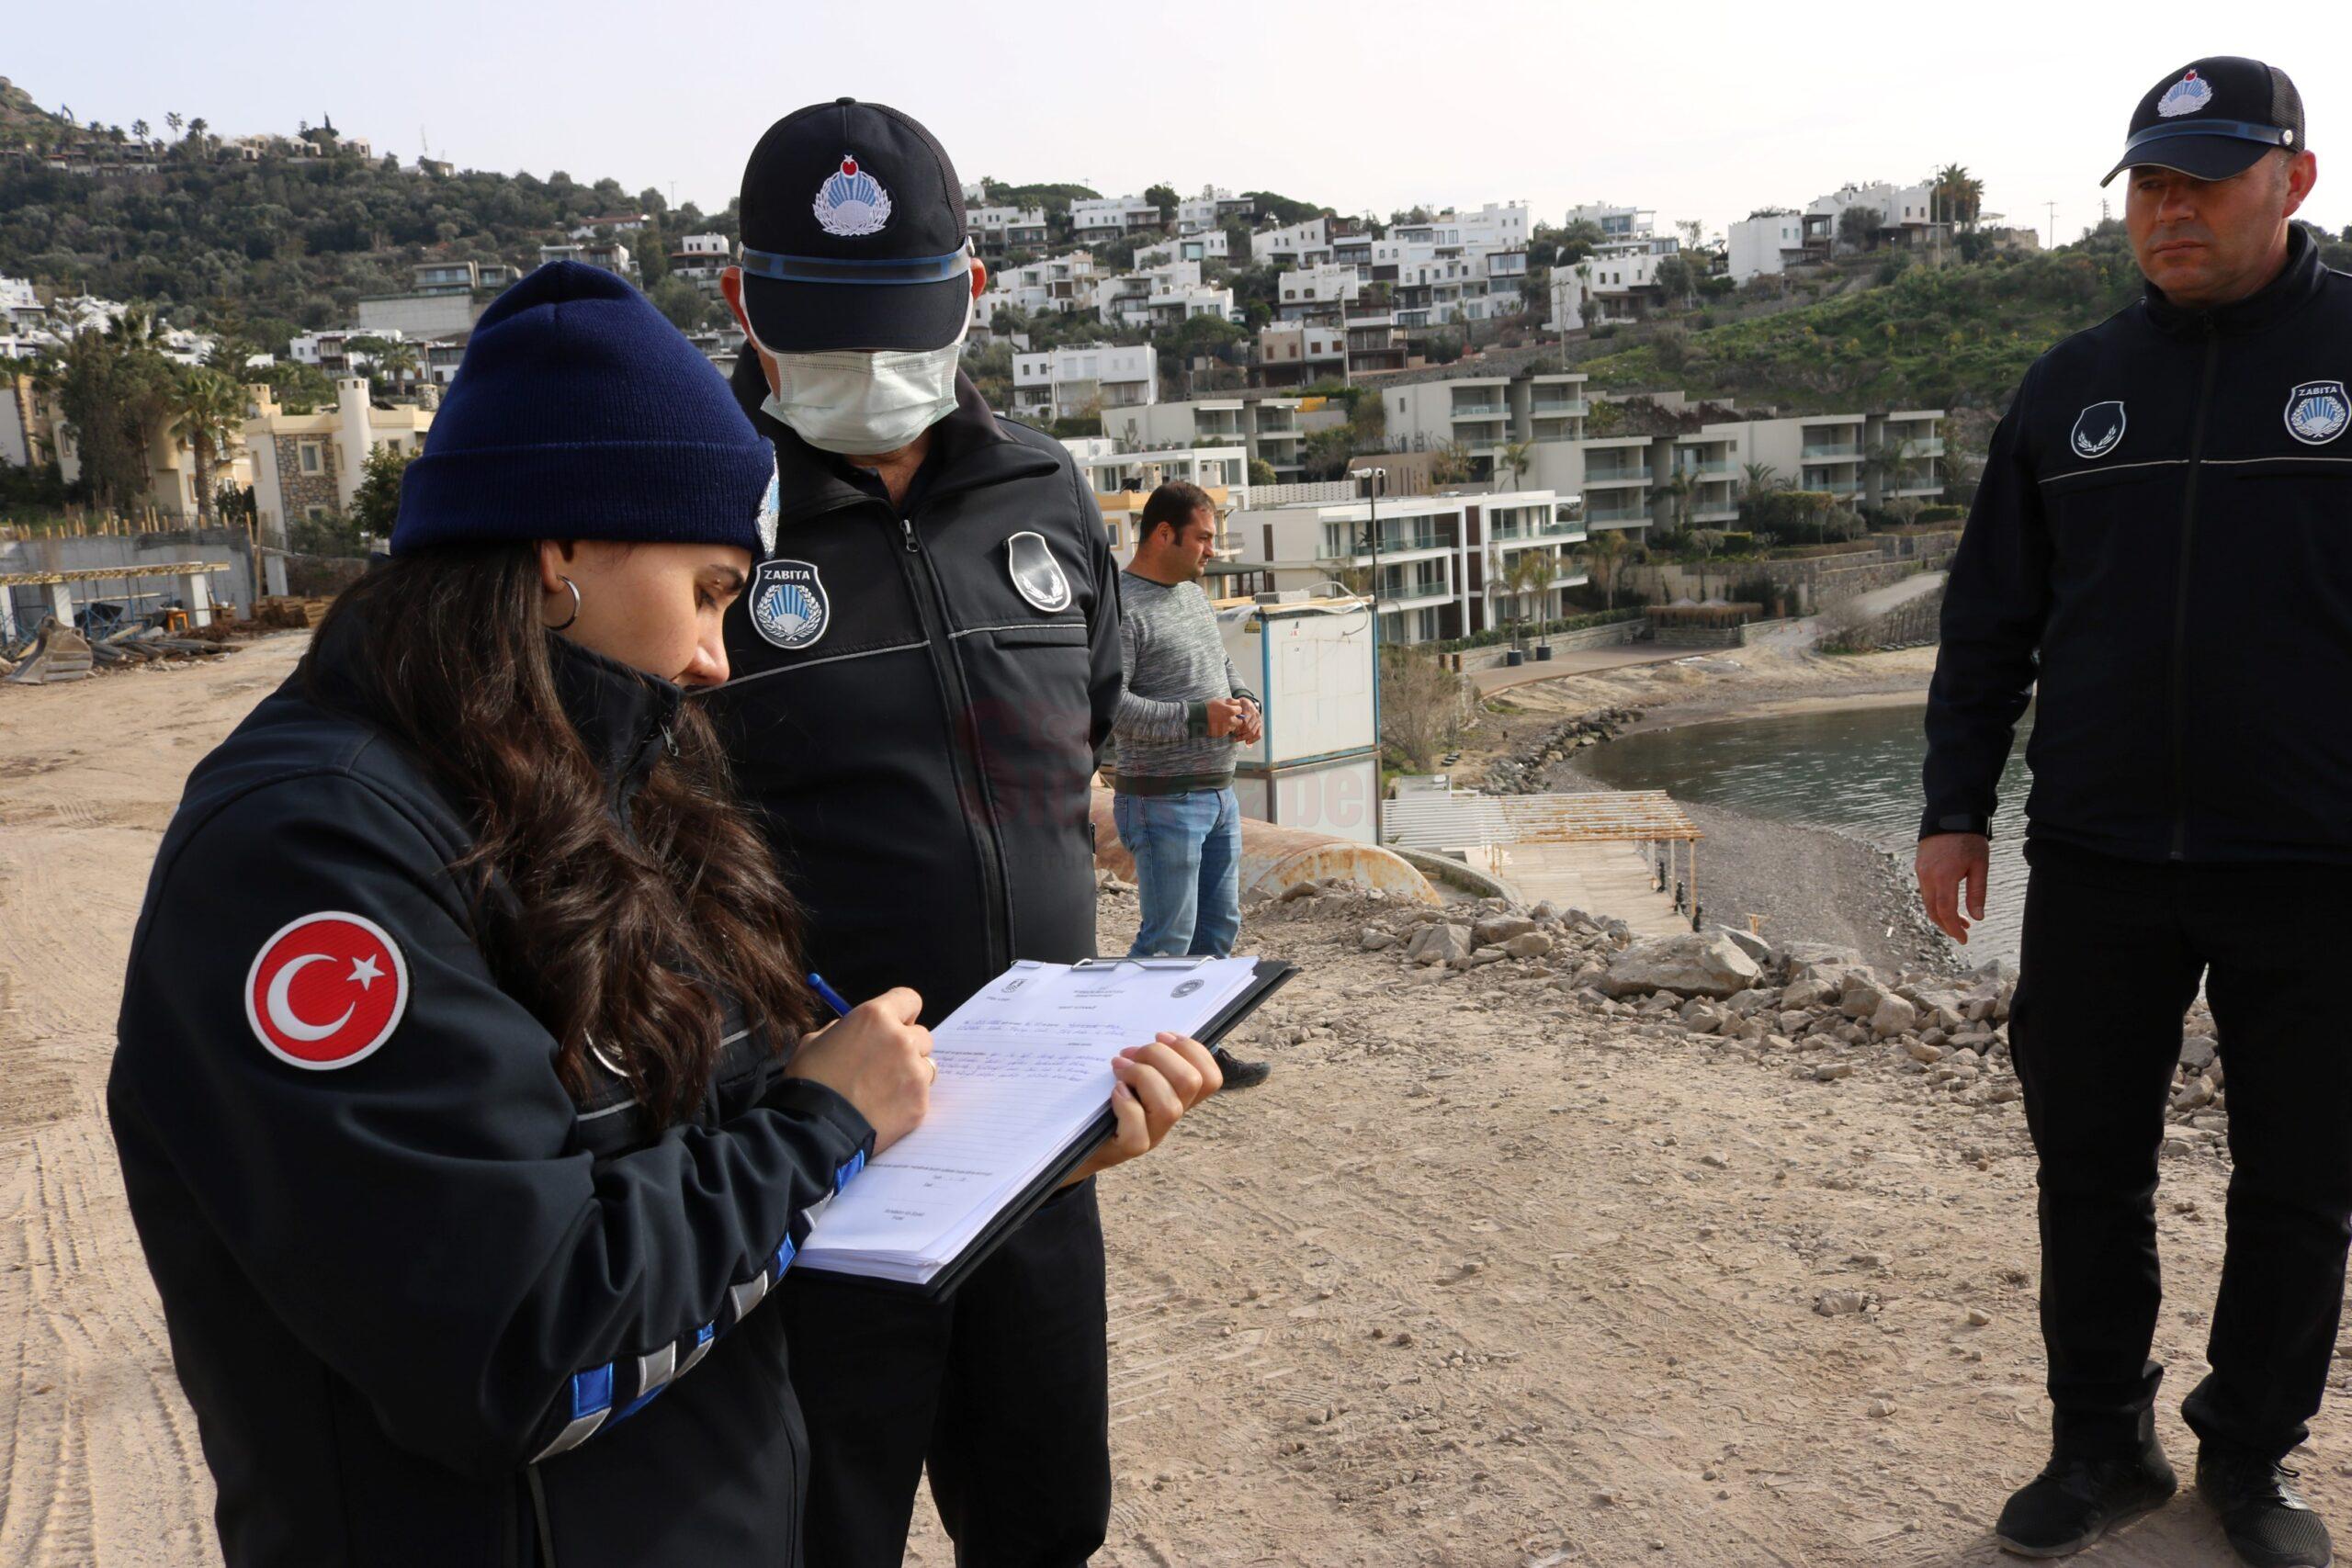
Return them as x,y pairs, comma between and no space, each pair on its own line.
1480,1276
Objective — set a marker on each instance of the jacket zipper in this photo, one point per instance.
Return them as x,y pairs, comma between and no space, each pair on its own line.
2181,602
922,584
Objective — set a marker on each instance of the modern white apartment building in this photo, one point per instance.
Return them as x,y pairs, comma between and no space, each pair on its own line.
996,230
1616,222
1062,285
1773,242
1161,298
1068,383
1211,245
1296,244
1112,473
1299,354
1867,459
1444,565
1316,293
700,259
1482,412
1269,430
1210,210
1905,213
1108,217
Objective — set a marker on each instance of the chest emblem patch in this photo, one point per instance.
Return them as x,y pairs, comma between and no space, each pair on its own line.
2317,412
789,603
1036,575
2097,430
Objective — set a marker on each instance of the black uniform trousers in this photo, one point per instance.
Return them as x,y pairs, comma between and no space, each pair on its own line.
2113,951
1004,1389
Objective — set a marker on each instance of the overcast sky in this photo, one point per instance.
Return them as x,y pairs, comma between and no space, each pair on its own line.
1697,111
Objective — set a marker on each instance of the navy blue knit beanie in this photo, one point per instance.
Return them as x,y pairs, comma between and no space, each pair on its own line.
579,413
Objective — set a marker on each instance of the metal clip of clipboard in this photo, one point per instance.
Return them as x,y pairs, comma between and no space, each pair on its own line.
1157,962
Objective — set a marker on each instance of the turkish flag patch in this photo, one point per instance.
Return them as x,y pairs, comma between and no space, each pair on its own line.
326,990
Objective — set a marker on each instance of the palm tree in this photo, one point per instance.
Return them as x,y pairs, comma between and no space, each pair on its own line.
139,128
1516,455
397,361
208,409
1959,194
1887,460
174,121
1605,551
1682,490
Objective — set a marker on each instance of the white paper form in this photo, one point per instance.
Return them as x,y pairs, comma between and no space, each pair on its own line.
1025,1069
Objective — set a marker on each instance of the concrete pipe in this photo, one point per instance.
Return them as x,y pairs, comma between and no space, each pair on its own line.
1274,858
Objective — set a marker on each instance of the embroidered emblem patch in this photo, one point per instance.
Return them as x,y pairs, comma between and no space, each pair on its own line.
852,202
771,503
326,990
2098,429
2187,95
789,603
2317,412
1036,576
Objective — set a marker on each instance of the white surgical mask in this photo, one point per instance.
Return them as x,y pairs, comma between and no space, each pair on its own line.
860,404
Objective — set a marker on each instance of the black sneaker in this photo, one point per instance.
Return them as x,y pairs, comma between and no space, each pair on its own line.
1239,1073
2268,1525
2075,1501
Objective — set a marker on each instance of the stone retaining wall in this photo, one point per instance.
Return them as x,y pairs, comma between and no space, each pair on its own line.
1610,635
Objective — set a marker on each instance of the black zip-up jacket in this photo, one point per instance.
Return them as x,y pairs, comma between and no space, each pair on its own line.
922,759
2161,554
427,1308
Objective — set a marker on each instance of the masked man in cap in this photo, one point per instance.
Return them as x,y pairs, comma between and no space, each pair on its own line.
923,668
2161,555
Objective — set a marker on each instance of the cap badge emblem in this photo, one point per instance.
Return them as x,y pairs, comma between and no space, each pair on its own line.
2317,412
789,606
852,202
2097,430
2187,95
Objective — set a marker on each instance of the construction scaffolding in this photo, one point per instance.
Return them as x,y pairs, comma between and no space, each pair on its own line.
193,578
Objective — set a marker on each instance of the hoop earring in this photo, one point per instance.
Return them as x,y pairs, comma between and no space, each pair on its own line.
567,621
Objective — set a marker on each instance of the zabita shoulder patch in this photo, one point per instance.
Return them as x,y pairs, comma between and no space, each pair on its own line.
2317,412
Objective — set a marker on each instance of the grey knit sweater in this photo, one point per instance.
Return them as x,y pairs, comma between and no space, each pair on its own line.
1175,666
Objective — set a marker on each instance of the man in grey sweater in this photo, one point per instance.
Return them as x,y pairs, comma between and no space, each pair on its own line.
1179,717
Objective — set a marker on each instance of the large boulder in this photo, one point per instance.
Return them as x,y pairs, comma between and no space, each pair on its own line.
1440,944
1692,965
1497,929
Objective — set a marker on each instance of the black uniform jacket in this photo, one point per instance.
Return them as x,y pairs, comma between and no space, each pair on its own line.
428,1309
2163,546
920,749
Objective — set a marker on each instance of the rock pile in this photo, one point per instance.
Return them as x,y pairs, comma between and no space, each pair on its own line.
1817,1012
1522,771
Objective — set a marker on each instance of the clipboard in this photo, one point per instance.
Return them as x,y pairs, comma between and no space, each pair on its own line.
1270,977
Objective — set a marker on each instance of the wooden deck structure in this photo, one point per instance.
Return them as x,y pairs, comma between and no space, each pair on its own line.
1500,828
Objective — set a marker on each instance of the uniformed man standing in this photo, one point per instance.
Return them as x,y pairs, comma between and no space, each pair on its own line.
923,668
2161,555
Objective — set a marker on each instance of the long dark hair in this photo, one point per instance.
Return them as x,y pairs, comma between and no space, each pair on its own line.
630,938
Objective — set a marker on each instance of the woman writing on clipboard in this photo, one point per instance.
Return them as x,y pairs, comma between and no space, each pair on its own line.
462,1094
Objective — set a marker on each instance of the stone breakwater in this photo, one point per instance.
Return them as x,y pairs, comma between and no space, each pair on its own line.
1813,1012
1525,770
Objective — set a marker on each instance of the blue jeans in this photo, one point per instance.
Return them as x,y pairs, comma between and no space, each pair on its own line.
1188,870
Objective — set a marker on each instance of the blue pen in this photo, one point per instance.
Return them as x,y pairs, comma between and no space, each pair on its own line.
827,995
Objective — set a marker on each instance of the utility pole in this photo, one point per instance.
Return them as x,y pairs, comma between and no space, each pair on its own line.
1372,481
2052,243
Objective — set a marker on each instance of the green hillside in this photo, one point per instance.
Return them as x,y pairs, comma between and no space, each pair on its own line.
1959,336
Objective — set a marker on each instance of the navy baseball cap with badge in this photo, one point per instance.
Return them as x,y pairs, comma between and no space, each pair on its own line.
2213,118
853,236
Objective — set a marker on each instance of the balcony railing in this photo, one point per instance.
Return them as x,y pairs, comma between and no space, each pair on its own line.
1479,411
1554,408
1702,471
1616,477
1605,516
1830,449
